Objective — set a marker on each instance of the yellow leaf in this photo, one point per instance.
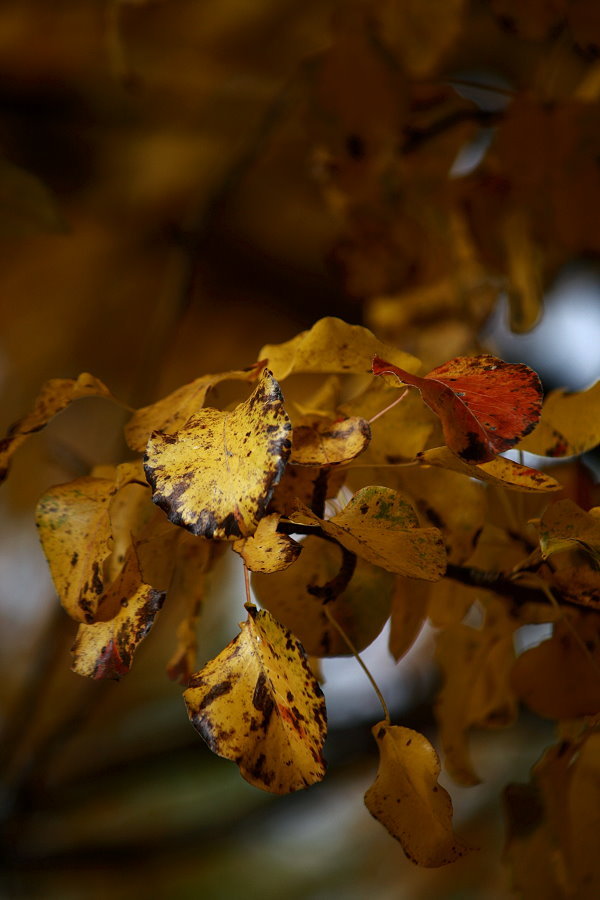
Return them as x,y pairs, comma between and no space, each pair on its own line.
362,609
564,525
105,649
407,799
329,443
570,424
215,476
381,526
259,704
499,471
55,395
75,531
173,411
332,346
409,611
266,550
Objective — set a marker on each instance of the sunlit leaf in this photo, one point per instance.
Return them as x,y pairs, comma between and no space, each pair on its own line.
215,476
173,411
502,472
408,800
55,395
361,609
381,526
259,704
268,551
329,443
570,424
485,405
105,649
331,346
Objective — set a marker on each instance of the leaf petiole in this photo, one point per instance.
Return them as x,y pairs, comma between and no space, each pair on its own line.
389,406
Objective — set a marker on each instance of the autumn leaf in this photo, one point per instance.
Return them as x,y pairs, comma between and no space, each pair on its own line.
105,649
173,411
564,525
409,611
381,526
55,396
331,346
75,531
500,471
418,32
26,204
485,405
570,424
215,476
267,551
259,704
329,443
408,800
361,609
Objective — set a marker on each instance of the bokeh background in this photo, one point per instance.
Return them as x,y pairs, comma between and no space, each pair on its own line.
167,206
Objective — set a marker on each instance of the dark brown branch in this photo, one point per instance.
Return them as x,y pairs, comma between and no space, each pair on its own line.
334,588
414,137
504,586
319,496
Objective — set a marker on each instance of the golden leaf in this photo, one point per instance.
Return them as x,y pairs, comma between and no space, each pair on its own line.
362,609
381,526
564,525
75,531
407,799
268,551
105,649
173,411
570,424
215,476
329,443
409,611
259,704
331,346
55,396
499,471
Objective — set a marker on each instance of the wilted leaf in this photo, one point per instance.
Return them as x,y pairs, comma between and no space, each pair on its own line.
408,800
362,609
259,704
329,443
381,526
565,525
331,346
485,405
215,476
476,665
502,472
75,531
266,550
560,678
570,424
173,411
105,649
26,204
55,395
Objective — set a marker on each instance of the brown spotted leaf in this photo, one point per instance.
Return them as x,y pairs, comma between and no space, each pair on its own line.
570,424
267,551
105,649
331,346
329,443
381,526
55,396
75,531
408,800
362,609
215,476
485,405
173,411
500,471
259,704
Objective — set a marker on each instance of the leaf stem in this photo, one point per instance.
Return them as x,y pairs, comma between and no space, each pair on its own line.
390,406
357,656
248,604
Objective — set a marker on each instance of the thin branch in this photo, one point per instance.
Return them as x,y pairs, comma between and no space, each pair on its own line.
339,583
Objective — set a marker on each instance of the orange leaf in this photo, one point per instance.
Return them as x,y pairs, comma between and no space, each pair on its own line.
485,405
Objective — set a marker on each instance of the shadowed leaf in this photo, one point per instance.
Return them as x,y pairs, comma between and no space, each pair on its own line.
215,476
570,424
329,443
259,704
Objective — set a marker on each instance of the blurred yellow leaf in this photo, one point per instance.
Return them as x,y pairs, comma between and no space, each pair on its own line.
408,800
259,704
409,611
26,204
570,424
420,32
215,476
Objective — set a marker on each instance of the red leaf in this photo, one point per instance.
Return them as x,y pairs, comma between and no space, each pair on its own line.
485,405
